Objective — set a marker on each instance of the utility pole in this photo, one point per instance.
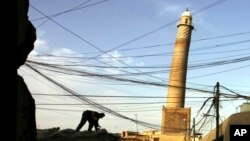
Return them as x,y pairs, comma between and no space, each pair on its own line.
136,123
217,101
194,129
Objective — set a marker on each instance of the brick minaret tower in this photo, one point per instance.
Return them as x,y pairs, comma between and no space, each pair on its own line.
177,79
175,117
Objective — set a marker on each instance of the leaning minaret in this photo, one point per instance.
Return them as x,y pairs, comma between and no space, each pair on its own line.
175,117
177,78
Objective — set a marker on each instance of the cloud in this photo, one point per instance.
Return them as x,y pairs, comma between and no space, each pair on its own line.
43,51
40,85
40,45
63,51
169,8
115,59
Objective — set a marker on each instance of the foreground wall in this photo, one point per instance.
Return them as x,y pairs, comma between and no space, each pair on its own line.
242,118
25,104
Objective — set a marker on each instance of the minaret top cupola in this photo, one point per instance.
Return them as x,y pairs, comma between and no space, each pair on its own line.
186,19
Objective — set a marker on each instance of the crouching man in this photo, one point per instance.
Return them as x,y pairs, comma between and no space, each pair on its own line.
92,117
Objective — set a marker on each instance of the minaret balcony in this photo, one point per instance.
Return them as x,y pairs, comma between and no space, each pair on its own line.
183,23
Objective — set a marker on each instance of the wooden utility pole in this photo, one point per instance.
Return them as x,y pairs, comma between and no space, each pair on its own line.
136,123
194,129
217,101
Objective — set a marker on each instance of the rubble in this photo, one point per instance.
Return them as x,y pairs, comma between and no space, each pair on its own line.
55,134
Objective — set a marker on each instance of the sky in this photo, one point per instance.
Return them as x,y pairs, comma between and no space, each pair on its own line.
125,39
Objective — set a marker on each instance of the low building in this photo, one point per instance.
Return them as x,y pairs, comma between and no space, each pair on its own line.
133,136
241,118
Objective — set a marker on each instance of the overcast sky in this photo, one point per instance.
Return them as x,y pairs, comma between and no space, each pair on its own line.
139,35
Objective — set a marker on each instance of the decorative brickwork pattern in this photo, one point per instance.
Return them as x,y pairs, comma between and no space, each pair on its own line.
184,31
176,121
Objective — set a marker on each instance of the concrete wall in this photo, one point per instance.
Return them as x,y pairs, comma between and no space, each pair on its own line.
245,107
173,138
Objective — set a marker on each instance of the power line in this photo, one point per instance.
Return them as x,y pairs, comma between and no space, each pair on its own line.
113,96
142,67
52,16
80,6
142,123
237,94
215,103
52,109
245,66
121,103
152,83
97,105
122,111
160,45
91,44
159,28
123,79
190,67
94,104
